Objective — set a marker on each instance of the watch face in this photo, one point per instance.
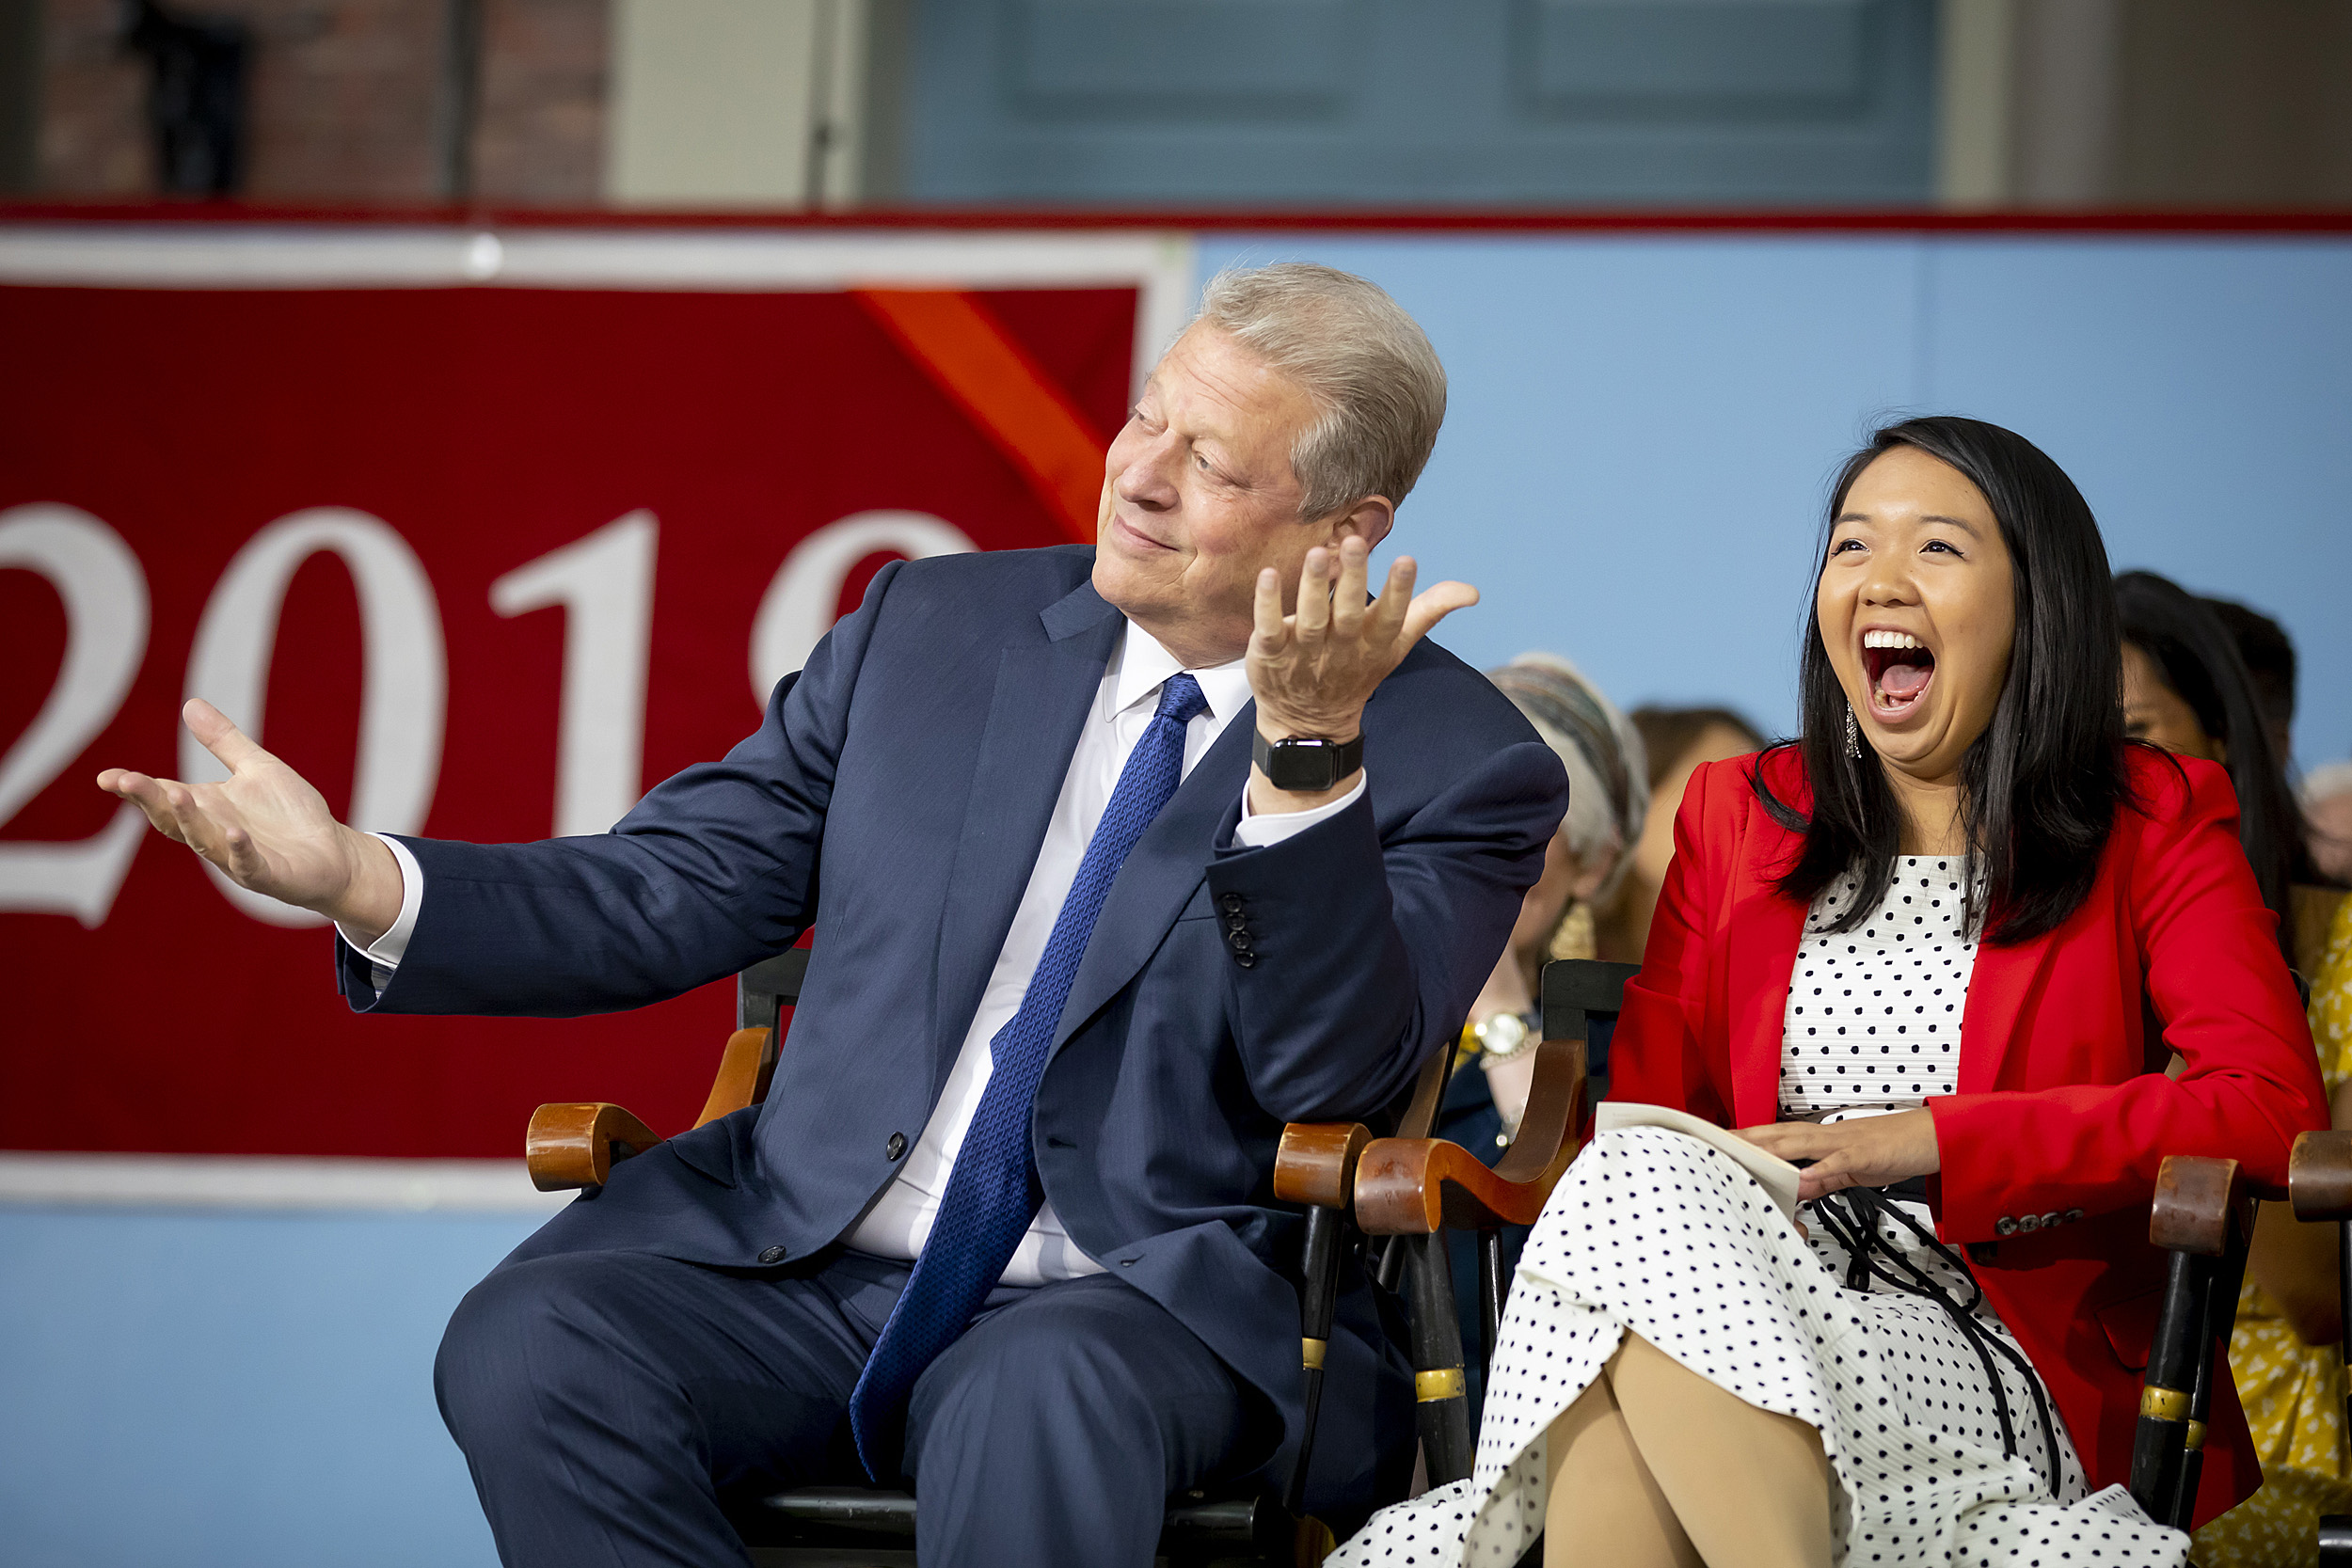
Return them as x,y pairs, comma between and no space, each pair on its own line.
1303,764
1502,1033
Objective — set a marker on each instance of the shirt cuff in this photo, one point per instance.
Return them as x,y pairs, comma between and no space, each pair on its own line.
389,949
1260,832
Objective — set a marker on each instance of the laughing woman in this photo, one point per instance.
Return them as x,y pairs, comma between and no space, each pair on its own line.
1911,950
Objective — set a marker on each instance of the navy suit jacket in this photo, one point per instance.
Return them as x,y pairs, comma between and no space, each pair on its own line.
894,798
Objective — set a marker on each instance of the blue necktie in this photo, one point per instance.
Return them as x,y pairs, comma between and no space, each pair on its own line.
992,1194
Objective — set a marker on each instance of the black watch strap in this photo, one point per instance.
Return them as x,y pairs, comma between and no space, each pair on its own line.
1307,764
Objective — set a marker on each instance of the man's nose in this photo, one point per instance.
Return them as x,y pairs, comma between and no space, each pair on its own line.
1144,480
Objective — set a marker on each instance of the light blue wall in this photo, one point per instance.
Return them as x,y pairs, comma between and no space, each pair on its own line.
1641,433
1220,104
233,1391
1641,428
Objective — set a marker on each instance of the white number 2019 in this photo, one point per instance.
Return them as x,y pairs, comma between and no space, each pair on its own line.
105,616
603,582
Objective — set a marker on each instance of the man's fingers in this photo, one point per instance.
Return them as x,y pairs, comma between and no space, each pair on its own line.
1434,605
1266,611
1347,599
1314,616
231,745
241,858
1385,617
145,793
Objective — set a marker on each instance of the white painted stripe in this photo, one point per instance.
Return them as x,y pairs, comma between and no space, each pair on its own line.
271,1182
1161,266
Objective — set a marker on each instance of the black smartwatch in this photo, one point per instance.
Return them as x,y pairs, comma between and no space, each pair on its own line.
1307,764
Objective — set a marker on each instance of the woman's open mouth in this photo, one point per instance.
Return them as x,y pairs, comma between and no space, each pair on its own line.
1900,669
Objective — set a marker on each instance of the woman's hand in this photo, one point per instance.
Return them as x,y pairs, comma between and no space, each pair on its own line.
1868,1152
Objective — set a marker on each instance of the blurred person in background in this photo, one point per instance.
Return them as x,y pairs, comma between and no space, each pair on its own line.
1608,800
2328,817
1609,794
2187,687
2285,1355
1677,741
2269,655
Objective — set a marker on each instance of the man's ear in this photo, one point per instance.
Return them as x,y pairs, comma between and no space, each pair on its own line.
1369,519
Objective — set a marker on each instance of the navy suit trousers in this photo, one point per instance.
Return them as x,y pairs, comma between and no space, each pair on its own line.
619,1407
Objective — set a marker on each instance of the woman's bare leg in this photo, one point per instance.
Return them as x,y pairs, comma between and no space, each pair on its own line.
1605,1508
1751,1487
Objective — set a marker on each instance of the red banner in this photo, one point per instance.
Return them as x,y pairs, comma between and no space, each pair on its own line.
481,563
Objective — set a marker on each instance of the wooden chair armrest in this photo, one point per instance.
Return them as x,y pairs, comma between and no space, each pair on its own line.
2199,1199
744,1072
1546,1139
1415,1186
1315,1163
575,1144
2319,1176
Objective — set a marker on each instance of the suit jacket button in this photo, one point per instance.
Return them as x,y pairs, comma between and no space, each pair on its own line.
896,1147
2005,1226
773,1254
1231,901
2050,1219
2029,1221
2074,1215
1245,959
1241,941
1237,923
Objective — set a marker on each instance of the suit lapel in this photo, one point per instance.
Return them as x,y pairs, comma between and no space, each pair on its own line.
1765,930
1159,875
1997,988
1044,692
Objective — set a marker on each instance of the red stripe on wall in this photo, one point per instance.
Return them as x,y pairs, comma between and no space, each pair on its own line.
971,358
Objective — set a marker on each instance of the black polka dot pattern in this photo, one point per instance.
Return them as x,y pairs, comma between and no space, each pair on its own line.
1653,1233
1873,1014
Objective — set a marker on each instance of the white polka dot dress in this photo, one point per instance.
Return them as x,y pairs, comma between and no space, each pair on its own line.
1653,1233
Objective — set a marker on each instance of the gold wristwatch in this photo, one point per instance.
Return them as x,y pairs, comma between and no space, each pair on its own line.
1499,1036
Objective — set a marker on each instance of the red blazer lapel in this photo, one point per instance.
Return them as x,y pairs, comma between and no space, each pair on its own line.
1997,988
1764,930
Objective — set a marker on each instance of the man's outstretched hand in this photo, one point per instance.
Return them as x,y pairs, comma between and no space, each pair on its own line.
1313,670
266,829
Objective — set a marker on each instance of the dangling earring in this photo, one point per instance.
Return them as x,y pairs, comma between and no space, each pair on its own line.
1853,736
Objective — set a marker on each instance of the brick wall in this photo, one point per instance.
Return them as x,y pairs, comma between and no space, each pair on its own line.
346,101
539,136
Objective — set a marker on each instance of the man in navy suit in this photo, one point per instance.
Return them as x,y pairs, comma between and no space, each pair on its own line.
1118,859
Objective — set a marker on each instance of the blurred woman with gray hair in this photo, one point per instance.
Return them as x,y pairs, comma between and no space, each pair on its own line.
1607,797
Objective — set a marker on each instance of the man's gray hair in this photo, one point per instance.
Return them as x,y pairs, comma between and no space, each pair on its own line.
1376,384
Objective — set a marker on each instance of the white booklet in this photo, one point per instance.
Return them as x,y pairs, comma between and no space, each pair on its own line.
1776,1176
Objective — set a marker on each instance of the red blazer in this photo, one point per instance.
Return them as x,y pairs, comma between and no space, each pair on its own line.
2054,1121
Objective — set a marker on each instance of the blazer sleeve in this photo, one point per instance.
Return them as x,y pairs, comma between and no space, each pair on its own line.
1367,948
716,868
1657,1055
2220,984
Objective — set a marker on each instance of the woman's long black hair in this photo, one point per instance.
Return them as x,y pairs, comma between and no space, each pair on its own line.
2200,660
2039,789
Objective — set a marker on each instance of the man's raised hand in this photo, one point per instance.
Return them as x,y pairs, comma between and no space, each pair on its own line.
1313,670
266,829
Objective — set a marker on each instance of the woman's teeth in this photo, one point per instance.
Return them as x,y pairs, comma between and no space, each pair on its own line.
1890,640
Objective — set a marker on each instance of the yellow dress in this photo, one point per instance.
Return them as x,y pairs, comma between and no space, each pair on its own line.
2292,1392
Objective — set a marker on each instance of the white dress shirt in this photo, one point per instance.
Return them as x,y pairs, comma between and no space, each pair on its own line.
899,1221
